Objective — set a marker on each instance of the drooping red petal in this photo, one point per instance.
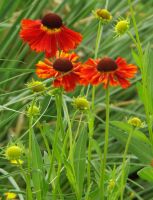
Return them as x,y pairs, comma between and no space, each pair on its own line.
68,82
90,74
44,71
43,39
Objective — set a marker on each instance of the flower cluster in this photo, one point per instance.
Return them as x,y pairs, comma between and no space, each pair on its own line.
51,36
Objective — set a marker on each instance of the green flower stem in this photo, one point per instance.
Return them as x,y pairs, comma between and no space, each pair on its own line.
71,148
78,128
124,163
48,149
106,4
140,51
69,133
98,39
58,100
134,40
29,192
136,31
62,154
104,159
91,116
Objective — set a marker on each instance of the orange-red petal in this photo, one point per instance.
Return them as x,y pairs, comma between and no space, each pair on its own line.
48,40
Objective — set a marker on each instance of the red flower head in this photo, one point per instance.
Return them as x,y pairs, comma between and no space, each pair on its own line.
64,69
49,34
108,72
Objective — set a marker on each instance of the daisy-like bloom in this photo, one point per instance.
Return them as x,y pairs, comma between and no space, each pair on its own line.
49,34
64,69
107,71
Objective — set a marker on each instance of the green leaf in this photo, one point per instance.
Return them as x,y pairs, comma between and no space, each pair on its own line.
126,127
140,91
37,170
146,174
147,80
80,160
136,58
69,173
139,145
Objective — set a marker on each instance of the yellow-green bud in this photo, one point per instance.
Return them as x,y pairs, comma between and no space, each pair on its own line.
136,122
33,110
13,152
36,86
81,103
121,27
132,195
111,184
17,162
10,195
103,15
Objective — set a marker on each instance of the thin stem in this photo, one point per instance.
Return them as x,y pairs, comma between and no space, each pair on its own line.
124,164
106,4
102,178
136,31
98,39
29,192
134,40
77,132
58,125
140,51
62,154
48,149
69,133
91,116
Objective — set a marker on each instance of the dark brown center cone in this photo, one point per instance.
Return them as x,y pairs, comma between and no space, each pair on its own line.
62,65
52,21
106,64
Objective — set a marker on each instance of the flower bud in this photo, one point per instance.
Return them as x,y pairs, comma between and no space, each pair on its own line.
33,110
36,86
121,27
10,195
136,122
111,184
103,15
132,195
81,103
13,152
17,162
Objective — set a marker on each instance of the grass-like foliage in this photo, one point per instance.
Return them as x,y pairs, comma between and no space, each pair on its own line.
77,123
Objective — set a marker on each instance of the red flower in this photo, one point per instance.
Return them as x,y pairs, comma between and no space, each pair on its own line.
108,72
49,34
64,69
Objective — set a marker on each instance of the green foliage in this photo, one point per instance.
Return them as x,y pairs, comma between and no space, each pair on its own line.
138,142
37,171
146,173
80,160
17,67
